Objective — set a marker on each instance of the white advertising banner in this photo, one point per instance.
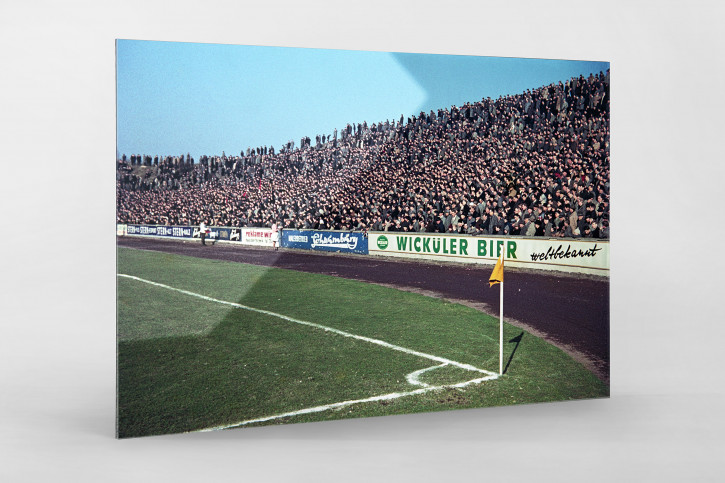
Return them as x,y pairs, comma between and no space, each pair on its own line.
257,236
567,255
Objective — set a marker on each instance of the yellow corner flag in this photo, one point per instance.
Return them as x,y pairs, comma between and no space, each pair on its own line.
497,274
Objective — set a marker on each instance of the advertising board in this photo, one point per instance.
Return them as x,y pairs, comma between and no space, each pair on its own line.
163,231
257,236
329,241
182,232
578,255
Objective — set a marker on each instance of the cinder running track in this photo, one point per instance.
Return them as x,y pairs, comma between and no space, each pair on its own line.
569,311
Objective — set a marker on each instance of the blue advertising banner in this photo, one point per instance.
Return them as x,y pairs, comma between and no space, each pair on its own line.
161,230
222,233
186,232
329,241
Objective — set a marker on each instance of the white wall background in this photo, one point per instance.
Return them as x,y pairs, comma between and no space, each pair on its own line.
664,421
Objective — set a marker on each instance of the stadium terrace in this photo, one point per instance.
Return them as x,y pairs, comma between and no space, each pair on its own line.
533,164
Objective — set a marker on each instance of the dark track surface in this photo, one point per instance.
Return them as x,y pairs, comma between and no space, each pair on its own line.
571,312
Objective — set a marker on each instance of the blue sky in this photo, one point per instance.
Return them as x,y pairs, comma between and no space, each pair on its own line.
173,97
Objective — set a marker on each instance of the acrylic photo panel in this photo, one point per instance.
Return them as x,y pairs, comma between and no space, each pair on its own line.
307,235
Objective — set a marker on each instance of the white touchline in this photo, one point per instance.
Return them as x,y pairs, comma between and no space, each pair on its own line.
489,375
327,407
318,326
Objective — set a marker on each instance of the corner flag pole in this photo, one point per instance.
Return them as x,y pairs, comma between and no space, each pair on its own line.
500,326
497,278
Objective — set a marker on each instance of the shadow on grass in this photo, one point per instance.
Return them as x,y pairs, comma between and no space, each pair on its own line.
248,365
516,339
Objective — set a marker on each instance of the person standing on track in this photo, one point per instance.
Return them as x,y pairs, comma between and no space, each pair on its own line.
202,232
275,236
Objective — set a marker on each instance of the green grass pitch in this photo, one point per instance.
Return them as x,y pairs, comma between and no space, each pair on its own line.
188,362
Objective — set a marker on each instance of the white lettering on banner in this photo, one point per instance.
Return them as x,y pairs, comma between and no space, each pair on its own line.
298,238
182,231
343,240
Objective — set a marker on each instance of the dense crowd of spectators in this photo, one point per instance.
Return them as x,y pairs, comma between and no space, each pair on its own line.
534,164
